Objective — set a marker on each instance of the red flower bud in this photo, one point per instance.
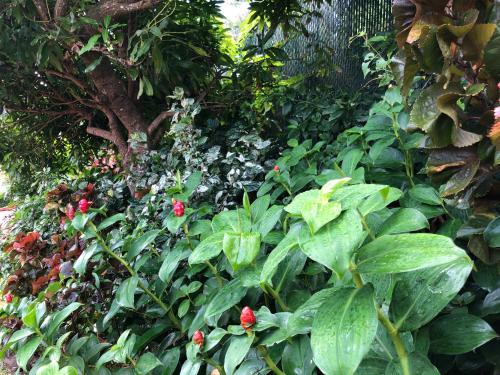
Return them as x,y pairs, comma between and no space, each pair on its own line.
198,338
83,205
247,318
8,298
70,212
179,209
276,168
63,221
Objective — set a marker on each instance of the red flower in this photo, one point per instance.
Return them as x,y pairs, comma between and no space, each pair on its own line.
198,338
178,208
8,298
276,168
247,318
70,212
83,205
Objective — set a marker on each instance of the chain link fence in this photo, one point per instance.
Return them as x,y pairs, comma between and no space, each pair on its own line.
327,49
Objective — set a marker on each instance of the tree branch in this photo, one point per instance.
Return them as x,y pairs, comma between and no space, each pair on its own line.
106,134
60,8
42,10
115,8
158,120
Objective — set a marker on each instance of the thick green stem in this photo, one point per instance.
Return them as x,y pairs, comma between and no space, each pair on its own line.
391,329
141,285
214,364
269,361
396,340
365,225
276,297
408,158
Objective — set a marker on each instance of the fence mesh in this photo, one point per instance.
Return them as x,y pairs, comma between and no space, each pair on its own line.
327,45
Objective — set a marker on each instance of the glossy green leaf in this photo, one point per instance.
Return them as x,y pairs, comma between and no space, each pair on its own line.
268,220
404,220
110,221
126,291
90,44
147,363
237,351
297,357
170,359
335,243
50,369
319,213
135,247
207,249
343,330
231,221
492,233
60,316
418,365
26,351
407,252
353,195
425,194
459,333
190,368
171,263
279,253
425,110
259,207
228,296
420,295
241,249
80,265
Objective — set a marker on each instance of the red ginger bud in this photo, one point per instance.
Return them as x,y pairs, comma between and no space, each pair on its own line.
179,208
83,205
247,318
8,298
198,338
276,168
70,212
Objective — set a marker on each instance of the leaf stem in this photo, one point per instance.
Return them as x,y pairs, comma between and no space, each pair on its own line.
214,364
277,297
391,329
269,361
365,225
141,285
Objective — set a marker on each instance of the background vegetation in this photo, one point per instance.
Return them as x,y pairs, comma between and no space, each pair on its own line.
168,179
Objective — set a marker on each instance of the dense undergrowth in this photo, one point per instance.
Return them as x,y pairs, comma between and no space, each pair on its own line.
361,243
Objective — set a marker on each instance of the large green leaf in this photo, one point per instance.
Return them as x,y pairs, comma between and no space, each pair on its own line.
147,363
352,196
126,291
134,247
60,316
420,295
297,357
237,351
407,252
335,243
80,265
26,351
343,330
319,213
279,253
241,249
404,220
110,221
268,220
207,249
232,221
419,365
228,296
459,333
171,263
492,233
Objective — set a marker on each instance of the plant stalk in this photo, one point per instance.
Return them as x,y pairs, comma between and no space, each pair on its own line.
277,297
269,361
393,332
